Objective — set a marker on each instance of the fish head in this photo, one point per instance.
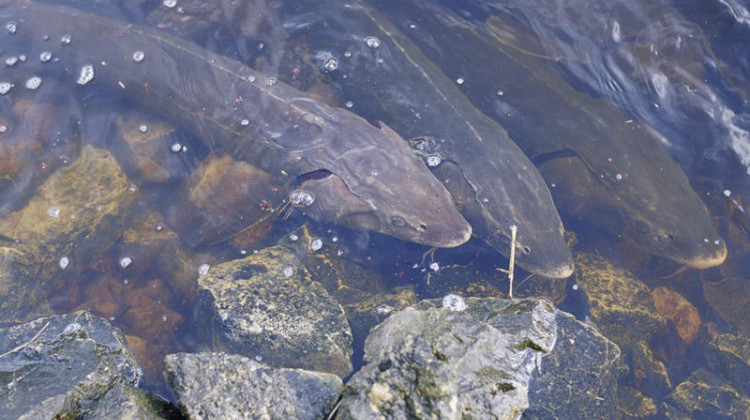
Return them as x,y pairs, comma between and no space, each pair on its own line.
376,183
517,197
654,209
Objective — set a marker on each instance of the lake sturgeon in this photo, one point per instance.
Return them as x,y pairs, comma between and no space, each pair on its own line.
384,76
364,177
601,165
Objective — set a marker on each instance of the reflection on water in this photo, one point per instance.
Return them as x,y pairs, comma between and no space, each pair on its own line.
678,72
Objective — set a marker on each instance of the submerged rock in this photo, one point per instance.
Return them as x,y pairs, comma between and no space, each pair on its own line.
705,396
62,365
617,298
75,214
729,356
730,295
578,379
466,362
679,311
221,386
267,305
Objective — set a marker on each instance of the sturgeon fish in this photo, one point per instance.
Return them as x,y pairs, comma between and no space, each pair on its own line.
385,77
601,165
365,178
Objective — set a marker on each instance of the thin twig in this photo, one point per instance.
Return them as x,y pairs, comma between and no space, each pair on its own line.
512,263
22,346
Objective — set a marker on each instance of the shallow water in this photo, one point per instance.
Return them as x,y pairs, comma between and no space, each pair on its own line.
680,67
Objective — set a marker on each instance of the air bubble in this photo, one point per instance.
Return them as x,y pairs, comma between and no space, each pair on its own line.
176,147
349,104
454,303
12,27
288,271
316,244
203,269
347,54
5,87
170,3
33,83
45,56
125,262
331,64
301,198
245,122
372,41
271,82
54,212
64,262
143,128
138,56
433,161
435,266
293,237
66,39
86,75
11,61
460,80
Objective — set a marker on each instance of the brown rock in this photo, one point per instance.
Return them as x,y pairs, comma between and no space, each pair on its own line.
676,309
225,197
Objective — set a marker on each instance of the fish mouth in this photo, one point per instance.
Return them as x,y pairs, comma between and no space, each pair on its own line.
453,240
559,272
704,261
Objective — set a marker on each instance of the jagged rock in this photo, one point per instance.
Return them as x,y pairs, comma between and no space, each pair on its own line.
61,365
267,305
617,298
634,405
729,356
434,362
704,396
221,386
648,373
578,378
128,403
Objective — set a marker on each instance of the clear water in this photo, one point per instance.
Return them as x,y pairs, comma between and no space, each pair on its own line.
680,67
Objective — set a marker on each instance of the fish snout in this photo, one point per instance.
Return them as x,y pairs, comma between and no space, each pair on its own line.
445,228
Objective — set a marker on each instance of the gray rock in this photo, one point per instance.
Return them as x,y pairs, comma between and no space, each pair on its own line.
578,378
266,305
221,386
125,402
61,365
435,363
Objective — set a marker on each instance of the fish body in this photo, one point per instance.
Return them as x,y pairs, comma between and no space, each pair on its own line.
600,164
383,76
373,180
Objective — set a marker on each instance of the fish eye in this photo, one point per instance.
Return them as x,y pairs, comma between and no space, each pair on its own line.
398,221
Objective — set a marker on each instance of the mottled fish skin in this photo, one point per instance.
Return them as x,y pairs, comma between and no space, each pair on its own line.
611,171
387,78
284,132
